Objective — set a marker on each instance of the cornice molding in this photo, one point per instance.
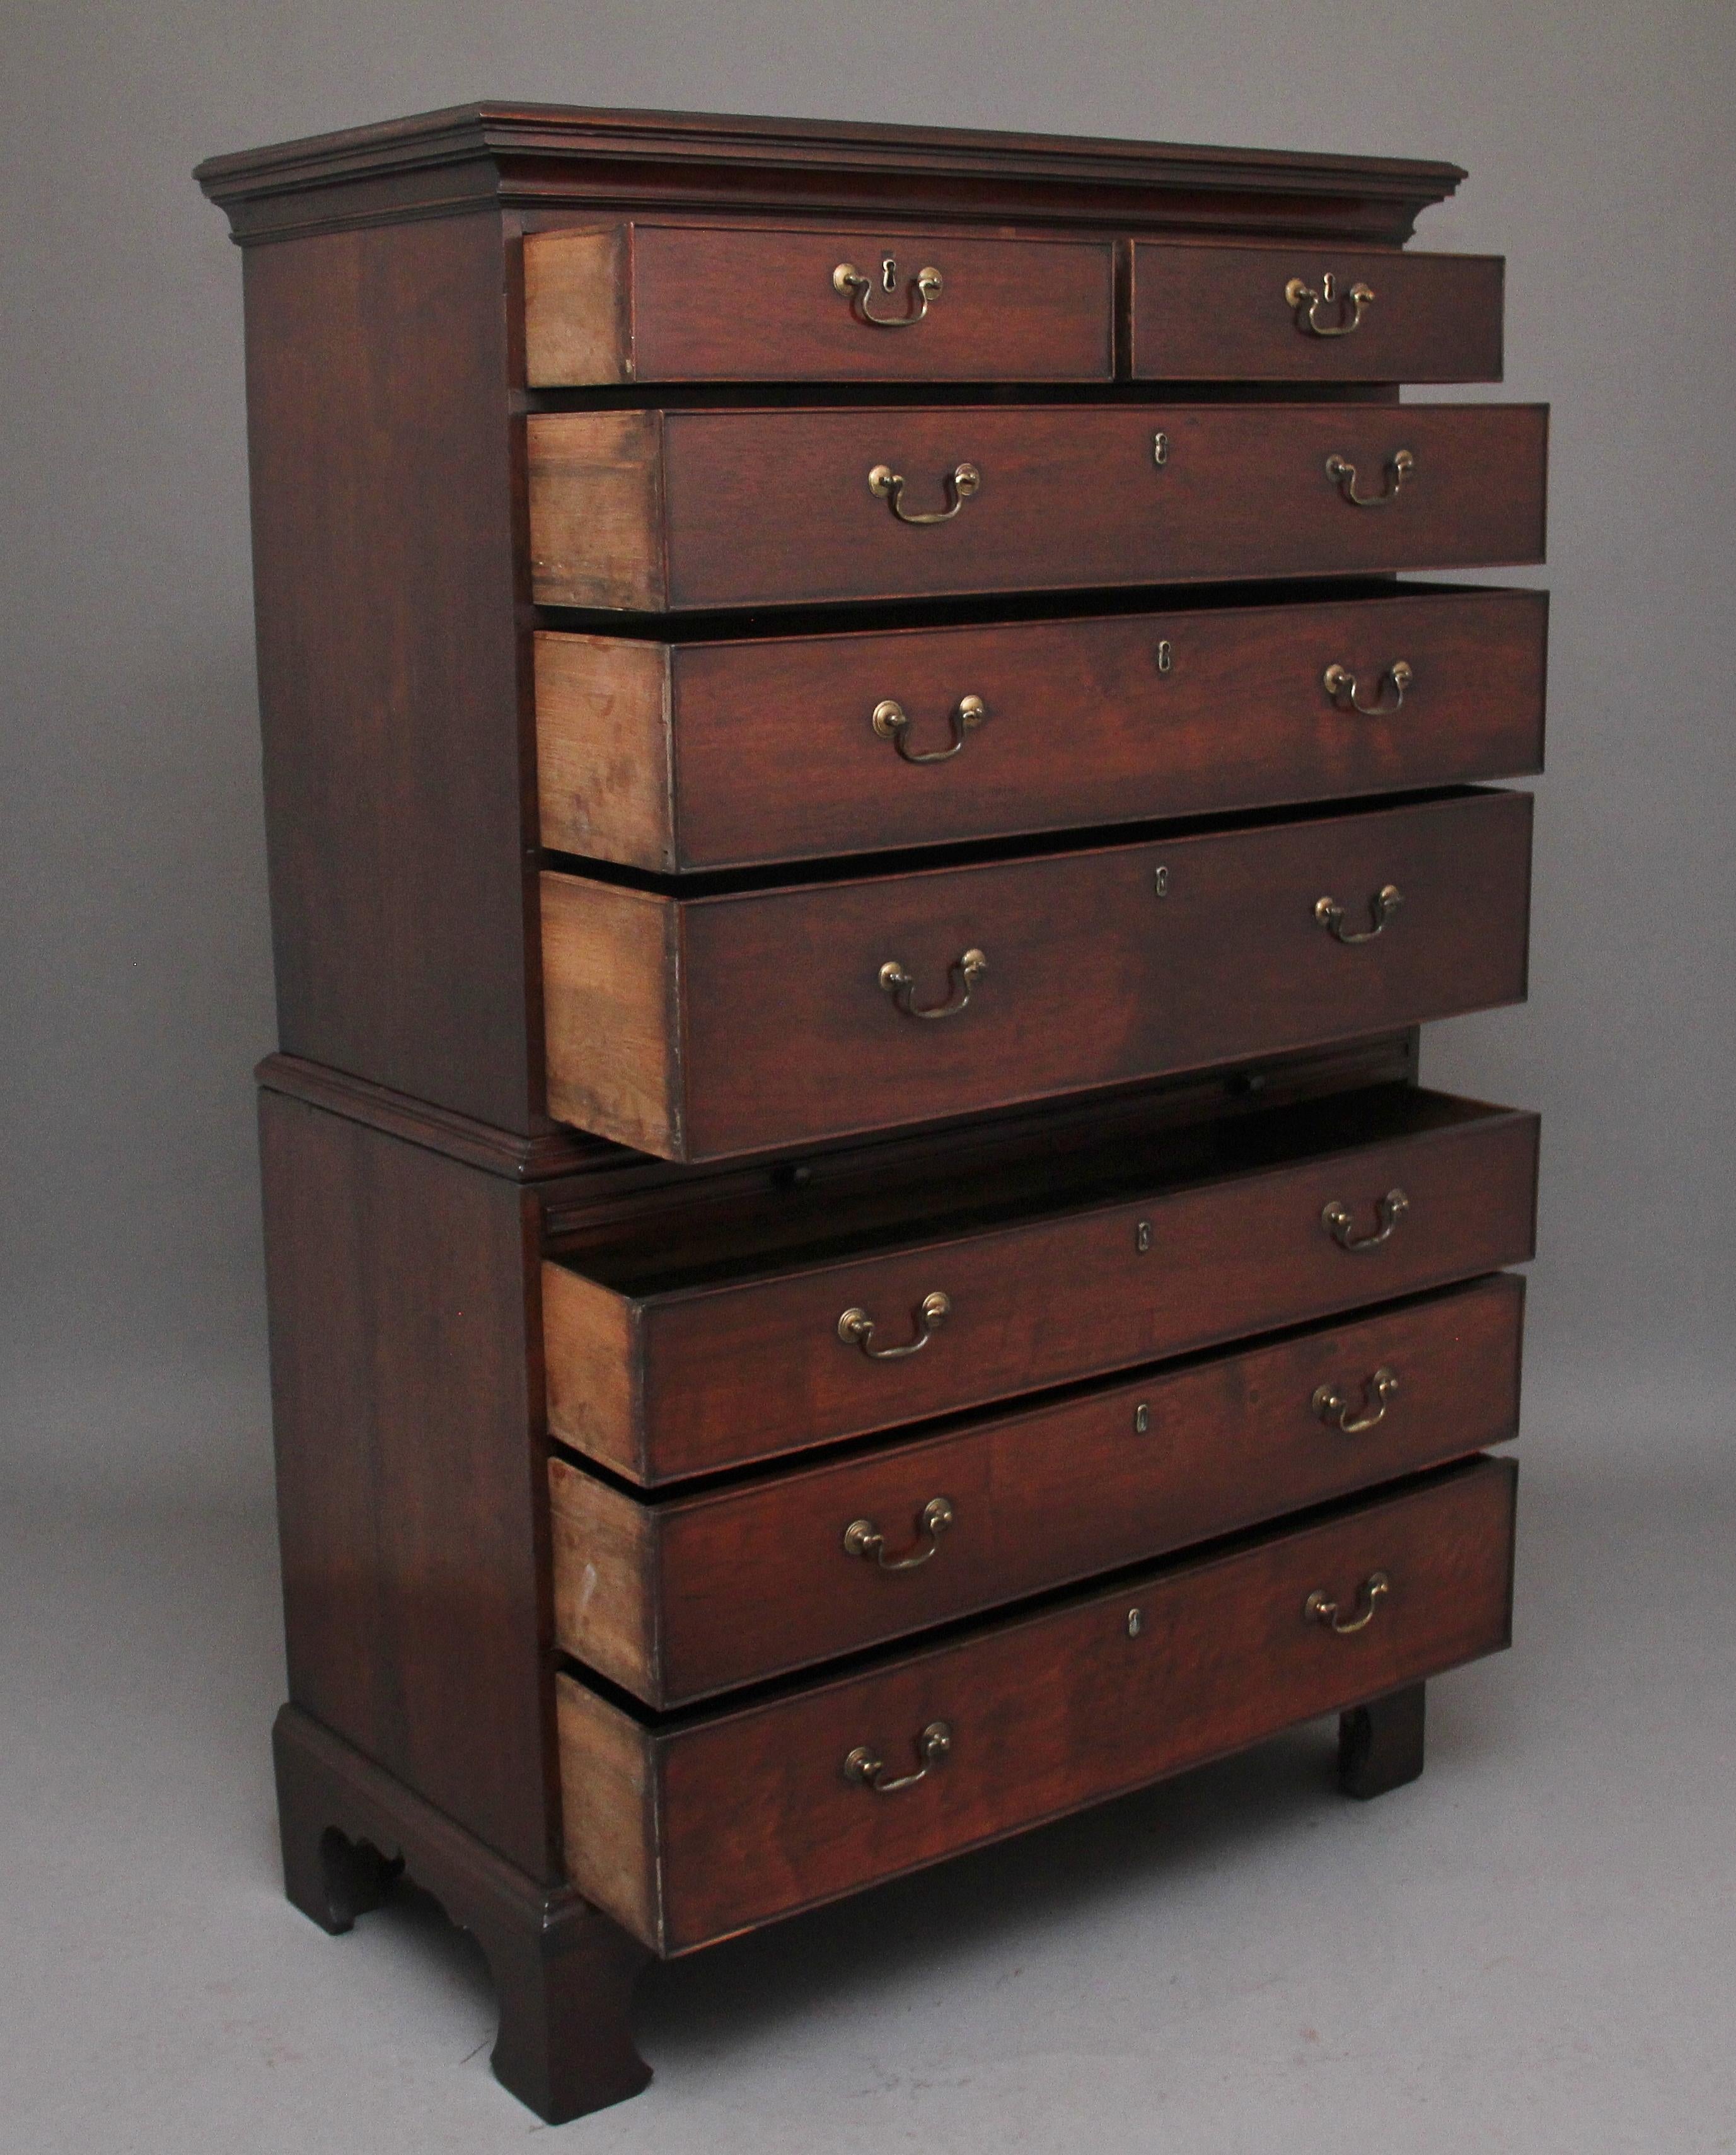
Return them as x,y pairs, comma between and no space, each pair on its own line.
548,157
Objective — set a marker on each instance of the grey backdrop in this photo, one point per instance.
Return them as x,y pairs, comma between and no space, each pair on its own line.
137,989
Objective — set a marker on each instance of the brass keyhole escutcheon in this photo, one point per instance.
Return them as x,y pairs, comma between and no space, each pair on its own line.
858,289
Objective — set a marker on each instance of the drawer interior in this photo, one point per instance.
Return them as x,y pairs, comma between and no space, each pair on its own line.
815,1225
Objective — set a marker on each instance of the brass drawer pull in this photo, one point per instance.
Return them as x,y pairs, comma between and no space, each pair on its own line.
1331,1405
961,483
892,723
856,1328
869,1767
925,285
1343,474
1340,1223
1341,685
1319,1610
863,1539
1305,304
969,968
1381,907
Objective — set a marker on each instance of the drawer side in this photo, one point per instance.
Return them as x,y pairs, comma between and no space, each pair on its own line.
595,487
576,330
611,1804
610,990
604,755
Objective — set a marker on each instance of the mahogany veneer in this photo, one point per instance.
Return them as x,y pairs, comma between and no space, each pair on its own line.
718,751
1096,968
763,1400
650,510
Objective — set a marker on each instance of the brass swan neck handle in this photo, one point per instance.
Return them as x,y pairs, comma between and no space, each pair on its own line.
857,287
857,1329
1342,686
1319,1608
865,1765
1305,302
1332,1406
1381,907
887,485
1342,473
963,973
862,1537
1339,1222
891,722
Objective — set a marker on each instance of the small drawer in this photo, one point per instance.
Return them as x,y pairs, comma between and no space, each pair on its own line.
720,752
1291,314
678,1599
689,1831
643,301
699,1028
674,510
820,1319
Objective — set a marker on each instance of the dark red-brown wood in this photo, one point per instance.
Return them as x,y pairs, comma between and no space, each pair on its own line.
551,156
750,1815
732,1361
766,1023
739,1583
397,752
738,303
1222,314
764,507
772,752
564,1973
1381,1745
412,1476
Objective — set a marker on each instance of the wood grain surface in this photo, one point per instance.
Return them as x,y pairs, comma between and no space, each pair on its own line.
678,1599
749,1815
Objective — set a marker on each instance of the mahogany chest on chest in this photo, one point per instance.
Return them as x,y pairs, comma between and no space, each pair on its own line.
861,826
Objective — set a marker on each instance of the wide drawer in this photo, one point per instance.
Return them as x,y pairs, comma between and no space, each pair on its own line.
663,1368
677,1599
645,301
1292,314
653,510
722,751
686,1833
697,1028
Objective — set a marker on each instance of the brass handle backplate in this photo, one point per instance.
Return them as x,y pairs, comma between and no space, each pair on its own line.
1381,907
1340,1224
891,722
1305,304
1341,685
963,973
856,1329
855,286
962,481
1343,474
1331,1405
1319,1608
863,1539
865,1765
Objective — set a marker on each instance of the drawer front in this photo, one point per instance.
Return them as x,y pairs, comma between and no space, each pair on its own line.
683,1382
747,1816
1289,314
1098,968
718,754
646,302
687,510
740,1584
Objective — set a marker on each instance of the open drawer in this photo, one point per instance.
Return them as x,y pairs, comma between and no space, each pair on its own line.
688,1831
666,1365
